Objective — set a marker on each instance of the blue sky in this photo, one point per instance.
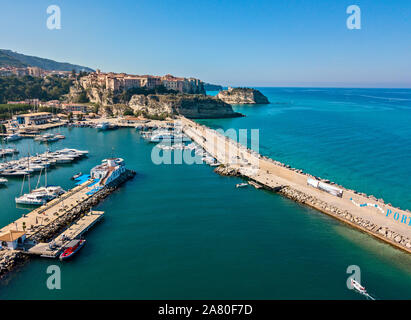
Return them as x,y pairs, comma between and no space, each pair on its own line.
236,42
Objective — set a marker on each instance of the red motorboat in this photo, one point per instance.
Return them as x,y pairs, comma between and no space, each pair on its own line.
71,248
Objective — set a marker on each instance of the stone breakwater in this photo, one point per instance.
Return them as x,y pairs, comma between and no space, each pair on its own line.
10,259
394,227
383,233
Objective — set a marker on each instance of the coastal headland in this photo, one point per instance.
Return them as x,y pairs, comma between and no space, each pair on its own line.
242,96
389,224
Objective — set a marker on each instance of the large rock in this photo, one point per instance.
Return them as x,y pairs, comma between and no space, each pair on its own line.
242,96
194,106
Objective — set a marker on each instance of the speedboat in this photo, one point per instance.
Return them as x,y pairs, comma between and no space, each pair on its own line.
358,287
76,176
3,181
71,248
64,159
241,185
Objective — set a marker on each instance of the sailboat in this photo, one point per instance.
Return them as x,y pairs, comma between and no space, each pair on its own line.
49,192
38,196
36,199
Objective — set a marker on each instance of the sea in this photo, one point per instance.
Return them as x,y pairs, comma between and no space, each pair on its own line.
180,231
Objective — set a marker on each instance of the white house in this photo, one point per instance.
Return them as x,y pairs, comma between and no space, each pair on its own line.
12,239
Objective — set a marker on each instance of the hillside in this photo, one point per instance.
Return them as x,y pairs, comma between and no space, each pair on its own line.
10,58
6,60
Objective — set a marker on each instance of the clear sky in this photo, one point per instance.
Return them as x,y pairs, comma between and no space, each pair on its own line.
229,42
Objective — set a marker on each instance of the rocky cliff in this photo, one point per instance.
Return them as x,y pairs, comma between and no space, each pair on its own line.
192,106
242,96
94,94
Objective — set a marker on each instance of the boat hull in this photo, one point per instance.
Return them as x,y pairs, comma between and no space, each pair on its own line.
72,253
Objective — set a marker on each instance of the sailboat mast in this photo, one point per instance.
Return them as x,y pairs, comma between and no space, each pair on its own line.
28,167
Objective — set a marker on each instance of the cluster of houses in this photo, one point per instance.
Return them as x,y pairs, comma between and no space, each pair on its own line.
77,111
123,81
31,71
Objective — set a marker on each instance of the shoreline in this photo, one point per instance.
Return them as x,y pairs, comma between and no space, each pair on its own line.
291,183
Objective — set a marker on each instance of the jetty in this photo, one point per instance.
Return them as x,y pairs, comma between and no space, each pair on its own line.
53,248
383,221
47,229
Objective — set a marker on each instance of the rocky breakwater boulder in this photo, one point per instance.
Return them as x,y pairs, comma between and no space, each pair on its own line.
242,96
9,259
194,106
227,171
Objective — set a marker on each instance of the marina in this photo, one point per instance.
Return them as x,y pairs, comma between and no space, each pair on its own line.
62,217
39,162
138,217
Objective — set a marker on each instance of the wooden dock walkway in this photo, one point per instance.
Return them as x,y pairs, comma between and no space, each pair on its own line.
74,231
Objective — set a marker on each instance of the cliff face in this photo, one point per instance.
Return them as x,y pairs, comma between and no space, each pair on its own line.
188,105
242,96
95,94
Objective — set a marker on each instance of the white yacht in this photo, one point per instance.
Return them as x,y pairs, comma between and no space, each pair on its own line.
31,199
3,181
49,192
12,137
163,137
103,126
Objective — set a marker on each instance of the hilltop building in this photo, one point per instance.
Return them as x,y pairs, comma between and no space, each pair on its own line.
123,81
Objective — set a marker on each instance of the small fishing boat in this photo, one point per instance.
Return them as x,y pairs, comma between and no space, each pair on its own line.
76,176
241,185
71,248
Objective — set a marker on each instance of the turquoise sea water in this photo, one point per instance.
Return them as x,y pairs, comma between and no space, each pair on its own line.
181,231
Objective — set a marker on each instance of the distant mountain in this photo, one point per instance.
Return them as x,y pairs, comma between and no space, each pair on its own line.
6,60
14,59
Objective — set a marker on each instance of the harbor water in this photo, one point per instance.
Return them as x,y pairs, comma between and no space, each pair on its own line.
183,232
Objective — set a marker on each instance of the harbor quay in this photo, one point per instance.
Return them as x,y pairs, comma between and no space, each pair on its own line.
47,229
366,213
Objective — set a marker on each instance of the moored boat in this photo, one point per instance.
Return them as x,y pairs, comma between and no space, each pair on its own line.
76,176
241,185
71,248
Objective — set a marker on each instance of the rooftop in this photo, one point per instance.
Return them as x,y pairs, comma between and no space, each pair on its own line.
11,235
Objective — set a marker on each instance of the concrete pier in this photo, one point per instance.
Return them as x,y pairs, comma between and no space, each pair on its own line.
77,229
388,223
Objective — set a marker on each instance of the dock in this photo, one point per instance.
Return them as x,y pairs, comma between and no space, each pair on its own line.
392,225
53,248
